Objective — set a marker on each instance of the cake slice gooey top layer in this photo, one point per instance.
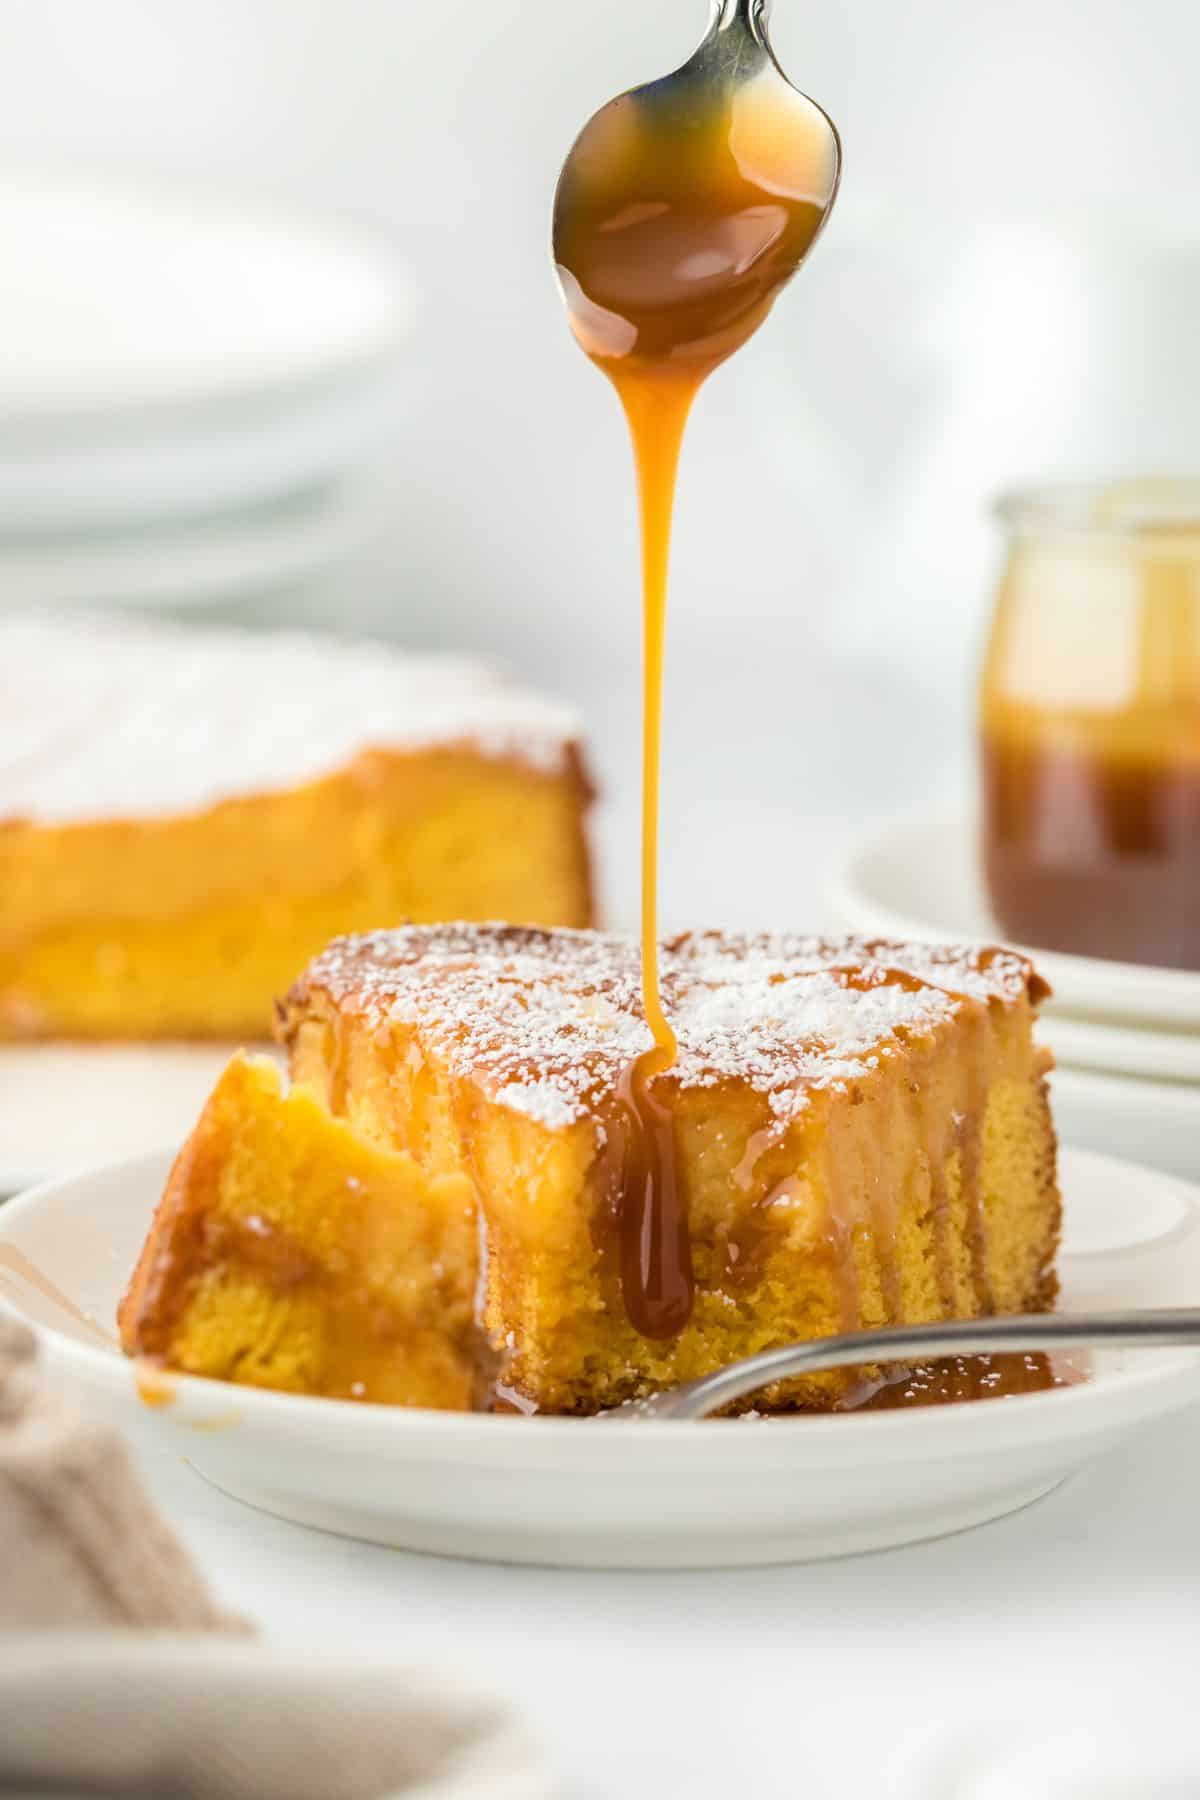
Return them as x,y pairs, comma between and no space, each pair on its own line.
550,1020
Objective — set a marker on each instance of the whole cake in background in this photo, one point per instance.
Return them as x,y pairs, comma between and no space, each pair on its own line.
290,1252
188,816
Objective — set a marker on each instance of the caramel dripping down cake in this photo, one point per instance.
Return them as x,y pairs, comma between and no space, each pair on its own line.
187,816
862,1128
287,1253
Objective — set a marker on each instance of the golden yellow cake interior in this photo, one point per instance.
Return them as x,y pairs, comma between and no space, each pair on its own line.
863,1132
289,1253
186,817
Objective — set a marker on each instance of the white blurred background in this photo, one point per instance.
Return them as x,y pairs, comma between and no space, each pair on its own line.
1008,291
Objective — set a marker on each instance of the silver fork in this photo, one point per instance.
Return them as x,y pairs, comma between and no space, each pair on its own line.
912,1343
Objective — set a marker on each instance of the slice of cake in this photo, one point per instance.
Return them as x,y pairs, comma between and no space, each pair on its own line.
861,1131
187,816
287,1253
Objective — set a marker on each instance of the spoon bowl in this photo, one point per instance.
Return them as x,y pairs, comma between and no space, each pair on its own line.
687,204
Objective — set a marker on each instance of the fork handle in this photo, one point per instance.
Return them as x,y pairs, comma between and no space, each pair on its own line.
902,1343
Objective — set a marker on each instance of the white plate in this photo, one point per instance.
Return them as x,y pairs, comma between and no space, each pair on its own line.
1161,1056
1155,1122
921,881
68,1107
604,1493
132,297
1123,1050
167,354
221,473
260,550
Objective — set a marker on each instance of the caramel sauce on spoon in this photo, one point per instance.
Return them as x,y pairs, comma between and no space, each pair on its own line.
682,211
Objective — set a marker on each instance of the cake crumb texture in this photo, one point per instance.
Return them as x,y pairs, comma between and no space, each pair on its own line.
862,1130
288,1253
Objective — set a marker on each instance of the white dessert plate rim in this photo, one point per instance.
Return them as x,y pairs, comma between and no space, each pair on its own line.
935,856
195,563
202,1404
1171,1100
1102,1047
181,242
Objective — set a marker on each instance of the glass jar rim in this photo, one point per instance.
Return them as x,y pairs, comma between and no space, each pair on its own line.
1129,510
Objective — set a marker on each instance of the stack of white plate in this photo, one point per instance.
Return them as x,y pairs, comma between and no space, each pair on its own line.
190,392
1126,1037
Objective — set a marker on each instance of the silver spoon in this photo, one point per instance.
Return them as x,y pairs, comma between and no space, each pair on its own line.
915,1343
738,43
708,186
736,49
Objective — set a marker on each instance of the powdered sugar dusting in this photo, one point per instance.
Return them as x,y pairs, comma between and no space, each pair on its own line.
547,1020
115,718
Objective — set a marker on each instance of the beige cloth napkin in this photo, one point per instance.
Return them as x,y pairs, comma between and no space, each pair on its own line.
121,1676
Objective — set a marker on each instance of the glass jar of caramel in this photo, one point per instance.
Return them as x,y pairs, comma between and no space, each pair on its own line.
1090,718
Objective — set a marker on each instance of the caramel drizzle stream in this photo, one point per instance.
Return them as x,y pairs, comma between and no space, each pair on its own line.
657,1278
839,1230
970,1139
940,1225
885,1219
651,189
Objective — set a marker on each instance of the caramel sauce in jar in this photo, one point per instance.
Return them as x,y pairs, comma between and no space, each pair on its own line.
1091,725
683,210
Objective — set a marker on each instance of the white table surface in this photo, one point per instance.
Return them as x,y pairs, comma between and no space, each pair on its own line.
767,1683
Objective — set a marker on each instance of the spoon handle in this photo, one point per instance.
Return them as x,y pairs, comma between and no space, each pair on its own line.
905,1343
726,12
746,15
